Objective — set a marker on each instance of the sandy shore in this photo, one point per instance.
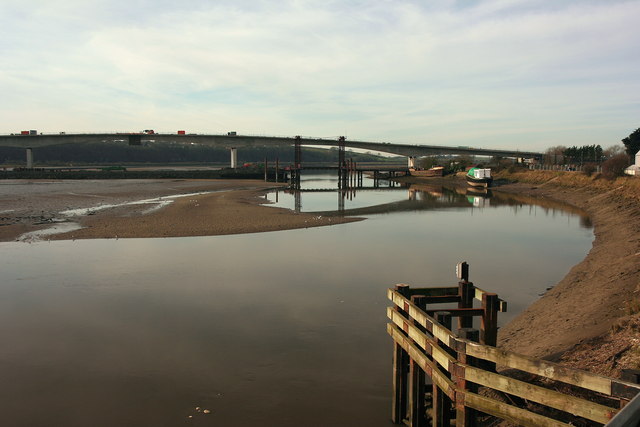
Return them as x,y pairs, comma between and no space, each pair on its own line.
29,206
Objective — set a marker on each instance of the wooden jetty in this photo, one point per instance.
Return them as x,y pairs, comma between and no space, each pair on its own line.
443,378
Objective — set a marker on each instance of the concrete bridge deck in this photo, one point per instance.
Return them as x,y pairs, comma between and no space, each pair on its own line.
235,141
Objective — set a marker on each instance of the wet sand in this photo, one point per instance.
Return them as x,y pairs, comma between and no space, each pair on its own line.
29,206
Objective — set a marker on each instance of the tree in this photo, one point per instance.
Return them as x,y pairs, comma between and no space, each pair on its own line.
632,142
615,166
586,153
614,150
554,155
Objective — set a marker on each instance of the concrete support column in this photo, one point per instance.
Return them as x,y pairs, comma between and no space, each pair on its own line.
29,158
234,157
411,162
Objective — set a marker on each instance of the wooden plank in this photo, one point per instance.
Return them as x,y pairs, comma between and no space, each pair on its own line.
502,305
509,413
542,368
421,359
459,312
434,292
442,299
426,321
553,399
443,358
624,390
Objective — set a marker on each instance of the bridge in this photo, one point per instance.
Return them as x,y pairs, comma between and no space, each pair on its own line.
232,141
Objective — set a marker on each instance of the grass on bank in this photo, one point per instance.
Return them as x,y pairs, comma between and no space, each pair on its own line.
625,186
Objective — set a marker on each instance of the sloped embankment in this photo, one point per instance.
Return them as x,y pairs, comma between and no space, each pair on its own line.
590,319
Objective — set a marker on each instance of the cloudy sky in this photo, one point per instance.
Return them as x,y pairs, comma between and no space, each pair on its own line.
525,74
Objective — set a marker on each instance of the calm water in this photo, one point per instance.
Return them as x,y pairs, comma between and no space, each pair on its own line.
282,328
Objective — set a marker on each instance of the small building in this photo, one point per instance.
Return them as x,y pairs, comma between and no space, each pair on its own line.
635,168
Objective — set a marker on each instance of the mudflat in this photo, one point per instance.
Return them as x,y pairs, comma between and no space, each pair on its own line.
145,208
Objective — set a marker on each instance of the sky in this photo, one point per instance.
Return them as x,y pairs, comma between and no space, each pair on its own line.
526,74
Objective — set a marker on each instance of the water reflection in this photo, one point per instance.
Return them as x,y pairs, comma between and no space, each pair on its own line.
282,328
365,200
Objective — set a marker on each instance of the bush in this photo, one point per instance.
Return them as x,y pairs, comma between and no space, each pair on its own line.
589,169
615,166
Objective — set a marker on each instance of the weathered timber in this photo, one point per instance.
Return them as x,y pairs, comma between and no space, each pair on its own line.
400,372
423,361
502,305
554,371
434,292
422,318
465,415
441,403
466,293
551,398
510,413
458,365
424,341
489,324
417,381
459,312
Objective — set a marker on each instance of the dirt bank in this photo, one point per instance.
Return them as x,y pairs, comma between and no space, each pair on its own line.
589,319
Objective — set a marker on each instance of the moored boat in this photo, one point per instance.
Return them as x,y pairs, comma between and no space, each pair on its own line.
426,173
478,177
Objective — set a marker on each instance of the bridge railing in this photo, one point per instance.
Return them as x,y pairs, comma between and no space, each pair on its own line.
471,378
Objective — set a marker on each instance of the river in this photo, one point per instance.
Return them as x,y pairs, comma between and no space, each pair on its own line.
282,328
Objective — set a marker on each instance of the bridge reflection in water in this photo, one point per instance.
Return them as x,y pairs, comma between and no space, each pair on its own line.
383,197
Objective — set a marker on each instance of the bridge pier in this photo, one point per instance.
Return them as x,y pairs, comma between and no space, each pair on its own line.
234,157
411,162
29,158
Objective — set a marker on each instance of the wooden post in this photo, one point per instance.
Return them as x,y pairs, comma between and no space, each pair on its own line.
277,168
465,416
489,330
400,372
441,402
462,271
466,293
417,380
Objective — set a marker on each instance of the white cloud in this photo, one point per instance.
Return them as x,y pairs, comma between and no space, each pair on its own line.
531,73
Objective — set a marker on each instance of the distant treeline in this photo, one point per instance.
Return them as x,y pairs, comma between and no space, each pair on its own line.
121,153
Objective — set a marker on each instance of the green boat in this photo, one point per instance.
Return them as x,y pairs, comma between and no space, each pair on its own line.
478,177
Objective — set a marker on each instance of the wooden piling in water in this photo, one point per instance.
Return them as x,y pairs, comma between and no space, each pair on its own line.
465,416
441,406
417,381
400,372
